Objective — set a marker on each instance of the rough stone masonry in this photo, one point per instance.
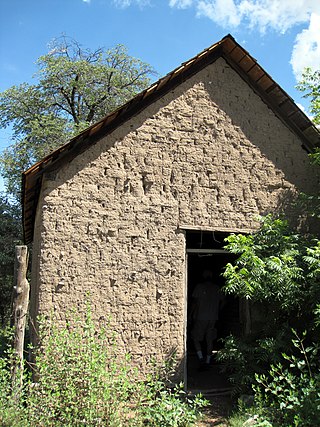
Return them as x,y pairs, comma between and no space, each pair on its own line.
209,154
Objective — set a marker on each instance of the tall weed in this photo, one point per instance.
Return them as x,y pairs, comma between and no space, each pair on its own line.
80,379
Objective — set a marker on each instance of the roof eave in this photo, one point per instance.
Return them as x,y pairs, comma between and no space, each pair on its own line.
237,57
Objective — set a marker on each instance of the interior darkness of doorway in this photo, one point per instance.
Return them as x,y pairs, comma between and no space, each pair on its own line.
198,239
228,312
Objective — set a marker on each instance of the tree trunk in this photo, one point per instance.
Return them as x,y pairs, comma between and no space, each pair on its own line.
19,312
245,316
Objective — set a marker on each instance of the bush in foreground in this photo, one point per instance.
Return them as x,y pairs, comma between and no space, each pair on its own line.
81,380
277,364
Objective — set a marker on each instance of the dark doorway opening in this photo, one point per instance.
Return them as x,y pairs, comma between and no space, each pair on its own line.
205,253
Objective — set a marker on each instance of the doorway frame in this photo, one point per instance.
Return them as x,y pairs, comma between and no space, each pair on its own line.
192,251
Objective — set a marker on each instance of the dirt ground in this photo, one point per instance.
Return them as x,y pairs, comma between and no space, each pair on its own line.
215,387
216,414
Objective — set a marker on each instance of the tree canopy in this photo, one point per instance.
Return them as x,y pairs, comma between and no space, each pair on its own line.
310,85
10,235
75,87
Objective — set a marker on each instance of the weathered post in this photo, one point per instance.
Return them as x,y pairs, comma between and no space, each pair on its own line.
20,304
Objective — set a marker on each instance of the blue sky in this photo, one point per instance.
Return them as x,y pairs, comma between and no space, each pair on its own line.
283,35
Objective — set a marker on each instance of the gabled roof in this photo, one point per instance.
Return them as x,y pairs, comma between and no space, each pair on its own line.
237,57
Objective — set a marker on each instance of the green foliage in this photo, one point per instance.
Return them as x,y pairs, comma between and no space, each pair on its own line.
290,392
247,417
12,412
172,408
242,358
75,87
315,156
310,203
78,378
312,296
235,358
269,267
10,236
247,414
82,379
310,84
8,409
279,268
278,271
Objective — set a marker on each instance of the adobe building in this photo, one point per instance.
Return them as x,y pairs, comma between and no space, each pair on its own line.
134,208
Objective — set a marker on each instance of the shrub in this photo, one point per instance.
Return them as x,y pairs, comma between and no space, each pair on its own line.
279,269
241,358
171,407
80,379
290,393
11,397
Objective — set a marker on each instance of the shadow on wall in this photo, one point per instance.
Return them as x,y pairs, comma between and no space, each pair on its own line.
291,205
256,121
170,370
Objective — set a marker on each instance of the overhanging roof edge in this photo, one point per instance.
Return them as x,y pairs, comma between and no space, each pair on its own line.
228,48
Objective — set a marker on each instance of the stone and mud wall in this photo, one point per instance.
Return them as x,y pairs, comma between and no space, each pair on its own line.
209,154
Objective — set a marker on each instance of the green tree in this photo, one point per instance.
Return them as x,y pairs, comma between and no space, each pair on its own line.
75,87
310,85
10,232
278,271
278,267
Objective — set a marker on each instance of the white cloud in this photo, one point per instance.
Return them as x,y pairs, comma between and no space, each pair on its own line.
122,3
180,4
279,15
220,11
301,107
263,15
86,1
306,51
126,3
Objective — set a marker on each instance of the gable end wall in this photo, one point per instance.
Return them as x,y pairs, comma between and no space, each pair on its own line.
209,154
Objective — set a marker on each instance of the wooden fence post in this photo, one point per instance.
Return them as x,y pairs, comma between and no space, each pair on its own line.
20,304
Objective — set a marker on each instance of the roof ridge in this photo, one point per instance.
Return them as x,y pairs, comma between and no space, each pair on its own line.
237,57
